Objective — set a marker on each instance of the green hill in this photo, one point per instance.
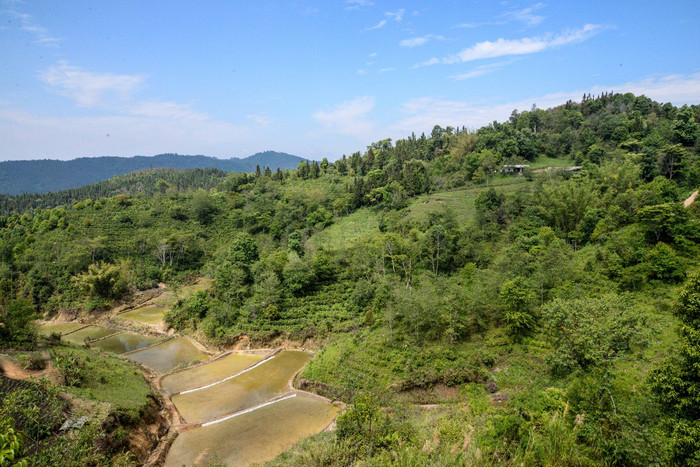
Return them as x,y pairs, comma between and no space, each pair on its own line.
41,176
465,315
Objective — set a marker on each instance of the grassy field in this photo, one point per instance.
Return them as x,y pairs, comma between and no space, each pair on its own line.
104,378
346,230
461,202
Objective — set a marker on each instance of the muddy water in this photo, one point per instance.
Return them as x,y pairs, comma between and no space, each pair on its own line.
61,328
246,390
209,373
151,315
90,332
126,342
170,354
256,436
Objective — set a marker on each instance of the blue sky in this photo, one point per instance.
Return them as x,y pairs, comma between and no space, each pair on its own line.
316,78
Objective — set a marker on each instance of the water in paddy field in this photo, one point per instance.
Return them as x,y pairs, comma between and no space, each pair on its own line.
256,436
90,332
126,342
209,373
249,389
60,328
170,354
149,314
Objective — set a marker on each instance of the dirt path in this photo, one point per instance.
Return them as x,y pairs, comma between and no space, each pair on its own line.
690,199
14,371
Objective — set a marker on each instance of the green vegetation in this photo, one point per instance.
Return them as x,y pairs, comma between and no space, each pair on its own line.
101,378
29,180
532,313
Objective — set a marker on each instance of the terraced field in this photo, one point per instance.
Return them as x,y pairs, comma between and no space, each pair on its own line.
238,408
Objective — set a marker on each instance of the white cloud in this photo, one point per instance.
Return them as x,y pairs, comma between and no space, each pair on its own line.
525,15
527,45
384,70
379,25
414,41
396,16
348,118
28,23
90,89
429,62
357,4
478,25
155,109
136,126
30,136
481,70
260,119
418,41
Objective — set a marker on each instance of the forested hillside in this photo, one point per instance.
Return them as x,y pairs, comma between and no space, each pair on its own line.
465,315
144,182
41,176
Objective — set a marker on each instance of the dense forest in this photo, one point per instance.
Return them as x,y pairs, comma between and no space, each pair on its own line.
46,175
465,315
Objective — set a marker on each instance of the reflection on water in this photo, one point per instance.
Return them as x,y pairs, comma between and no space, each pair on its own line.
90,332
247,390
209,373
168,355
257,436
126,342
150,314
61,328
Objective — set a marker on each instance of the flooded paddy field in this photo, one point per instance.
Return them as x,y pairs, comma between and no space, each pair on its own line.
126,342
169,355
261,383
256,436
88,333
47,329
150,314
210,373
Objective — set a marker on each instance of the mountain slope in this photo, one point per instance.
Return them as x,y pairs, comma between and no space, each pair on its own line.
41,176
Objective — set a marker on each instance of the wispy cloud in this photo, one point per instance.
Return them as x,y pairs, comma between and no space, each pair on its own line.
481,70
429,62
28,24
88,89
524,46
261,119
526,15
418,41
357,4
396,16
168,109
478,25
347,118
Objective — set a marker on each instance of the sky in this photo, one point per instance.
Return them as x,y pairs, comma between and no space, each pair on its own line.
316,78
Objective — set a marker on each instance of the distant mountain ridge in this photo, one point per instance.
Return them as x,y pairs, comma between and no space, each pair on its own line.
41,176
